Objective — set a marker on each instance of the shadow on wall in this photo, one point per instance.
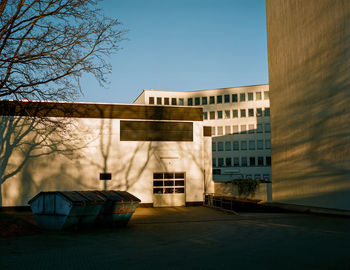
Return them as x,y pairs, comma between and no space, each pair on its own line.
309,67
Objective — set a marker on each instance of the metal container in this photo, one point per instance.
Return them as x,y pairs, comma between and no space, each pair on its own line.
118,208
57,210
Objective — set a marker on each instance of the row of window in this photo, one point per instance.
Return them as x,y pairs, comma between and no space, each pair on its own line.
243,129
212,115
242,162
197,101
265,177
241,145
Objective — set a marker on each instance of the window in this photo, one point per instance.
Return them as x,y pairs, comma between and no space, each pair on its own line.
205,115
217,171
266,95
258,95
267,128
227,98
242,97
267,112
168,183
227,114
251,128
236,145
212,115
227,146
243,145
236,162
259,128
260,144
234,98
244,162
166,101
252,161
190,102
251,112
243,129
214,162
268,161
212,100
267,144
213,146
204,100
228,162
197,101
219,99
181,102
258,112
219,114
151,100
220,131
159,101
235,129
234,113
220,146
227,130
221,162
213,131
173,101
260,161
250,96
251,145
243,113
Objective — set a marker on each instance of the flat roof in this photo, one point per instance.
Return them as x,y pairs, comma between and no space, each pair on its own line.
99,110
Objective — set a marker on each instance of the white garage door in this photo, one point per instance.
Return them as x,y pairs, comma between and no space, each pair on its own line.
169,189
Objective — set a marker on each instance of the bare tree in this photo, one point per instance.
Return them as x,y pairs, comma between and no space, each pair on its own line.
46,46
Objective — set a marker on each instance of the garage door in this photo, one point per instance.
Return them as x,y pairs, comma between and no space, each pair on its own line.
169,189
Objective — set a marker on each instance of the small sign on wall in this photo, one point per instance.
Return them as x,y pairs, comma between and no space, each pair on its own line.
105,176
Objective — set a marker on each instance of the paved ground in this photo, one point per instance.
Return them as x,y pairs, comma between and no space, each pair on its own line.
190,238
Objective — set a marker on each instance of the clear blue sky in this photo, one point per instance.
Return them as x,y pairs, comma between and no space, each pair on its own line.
184,45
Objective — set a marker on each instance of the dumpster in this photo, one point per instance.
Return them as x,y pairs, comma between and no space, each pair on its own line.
118,208
57,210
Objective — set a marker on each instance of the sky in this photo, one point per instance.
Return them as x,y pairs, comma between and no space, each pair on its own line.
183,45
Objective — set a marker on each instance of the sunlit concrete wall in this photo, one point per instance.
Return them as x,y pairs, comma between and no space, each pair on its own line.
309,78
132,164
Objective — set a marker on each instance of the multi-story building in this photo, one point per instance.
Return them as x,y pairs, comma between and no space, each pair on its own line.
240,121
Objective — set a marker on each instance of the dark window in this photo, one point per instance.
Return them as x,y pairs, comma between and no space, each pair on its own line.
105,176
228,162
173,101
243,113
234,113
219,99
159,101
197,101
227,98
158,183
244,162
234,98
158,176
204,100
227,114
180,175
212,100
220,146
268,161
251,112
212,115
221,162
217,171
219,114
166,101
168,175
181,102
252,161
243,145
151,100
258,112
260,161
267,112
214,162
236,145
267,128
236,162
179,183
251,145
189,101
213,146
242,97
250,96
205,115
227,146
169,183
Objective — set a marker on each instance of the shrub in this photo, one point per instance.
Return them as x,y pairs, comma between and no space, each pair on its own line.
246,187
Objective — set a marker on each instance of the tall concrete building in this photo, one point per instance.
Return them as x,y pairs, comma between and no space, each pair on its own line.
240,121
309,79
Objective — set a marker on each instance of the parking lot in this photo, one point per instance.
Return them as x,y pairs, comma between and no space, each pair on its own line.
190,238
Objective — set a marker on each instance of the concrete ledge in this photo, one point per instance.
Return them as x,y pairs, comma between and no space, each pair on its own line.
307,209
194,203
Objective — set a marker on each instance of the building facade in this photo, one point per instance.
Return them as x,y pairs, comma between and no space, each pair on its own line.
159,154
309,62
239,118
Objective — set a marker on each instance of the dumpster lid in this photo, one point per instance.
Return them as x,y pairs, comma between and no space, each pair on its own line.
116,196
76,197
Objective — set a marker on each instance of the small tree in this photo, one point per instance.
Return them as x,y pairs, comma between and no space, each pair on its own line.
46,46
246,187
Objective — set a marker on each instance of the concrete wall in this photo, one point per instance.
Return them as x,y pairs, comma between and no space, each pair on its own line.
309,78
132,164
